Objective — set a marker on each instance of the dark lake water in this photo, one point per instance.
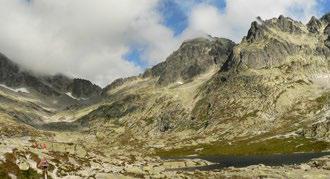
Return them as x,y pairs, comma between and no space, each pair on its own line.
244,161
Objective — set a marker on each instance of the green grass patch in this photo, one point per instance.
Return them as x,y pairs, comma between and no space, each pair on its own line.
270,146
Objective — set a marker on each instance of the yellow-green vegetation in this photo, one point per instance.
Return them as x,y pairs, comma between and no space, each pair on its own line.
29,174
9,166
269,146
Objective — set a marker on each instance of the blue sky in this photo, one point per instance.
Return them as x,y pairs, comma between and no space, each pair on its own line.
324,6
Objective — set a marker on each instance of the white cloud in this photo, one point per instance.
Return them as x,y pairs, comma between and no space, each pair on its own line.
88,38
82,38
234,21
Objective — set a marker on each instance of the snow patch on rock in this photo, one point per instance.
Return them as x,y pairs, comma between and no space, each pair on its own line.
71,96
17,90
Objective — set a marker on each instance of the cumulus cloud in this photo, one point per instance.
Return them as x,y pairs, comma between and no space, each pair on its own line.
89,39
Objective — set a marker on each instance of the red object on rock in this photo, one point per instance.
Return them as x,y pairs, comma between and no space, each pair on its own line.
43,164
44,146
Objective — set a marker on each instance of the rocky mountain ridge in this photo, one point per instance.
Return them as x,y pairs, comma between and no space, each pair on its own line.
13,76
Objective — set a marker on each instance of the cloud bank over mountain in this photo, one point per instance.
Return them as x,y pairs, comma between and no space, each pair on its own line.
91,39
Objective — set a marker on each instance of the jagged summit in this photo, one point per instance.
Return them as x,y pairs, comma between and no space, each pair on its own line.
314,25
269,42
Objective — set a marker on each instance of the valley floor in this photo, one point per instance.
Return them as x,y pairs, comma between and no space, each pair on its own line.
79,155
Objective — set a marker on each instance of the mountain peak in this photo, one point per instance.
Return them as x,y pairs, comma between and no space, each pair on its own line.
314,25
191,59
